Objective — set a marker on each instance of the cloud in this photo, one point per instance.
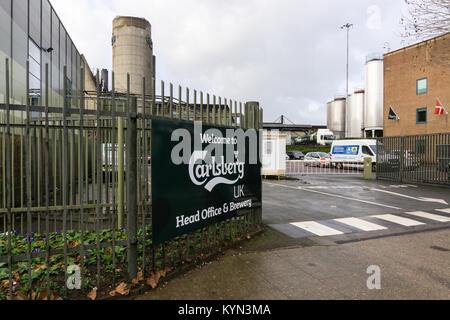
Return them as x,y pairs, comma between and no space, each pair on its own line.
289,54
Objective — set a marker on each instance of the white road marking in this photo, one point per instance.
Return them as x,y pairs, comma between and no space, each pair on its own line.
317,228
399,220
361,224
333,195
429,216
414,198
444,210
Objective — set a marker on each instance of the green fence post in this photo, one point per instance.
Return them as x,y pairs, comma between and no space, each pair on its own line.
120,172
132,207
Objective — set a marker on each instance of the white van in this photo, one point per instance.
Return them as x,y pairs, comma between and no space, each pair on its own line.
351,153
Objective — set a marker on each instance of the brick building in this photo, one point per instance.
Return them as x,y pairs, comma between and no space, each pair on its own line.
414,77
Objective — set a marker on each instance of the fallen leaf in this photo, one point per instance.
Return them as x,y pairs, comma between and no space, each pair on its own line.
248,237
123,289
43,267
134,282
140,276
73,244
93,294
151,282
112,293
20,296
162,273
43,295
5,283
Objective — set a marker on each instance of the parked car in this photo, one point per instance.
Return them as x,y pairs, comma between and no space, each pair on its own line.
390,160
315,159
296,155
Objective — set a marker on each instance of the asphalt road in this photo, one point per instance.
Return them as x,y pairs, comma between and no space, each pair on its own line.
324,236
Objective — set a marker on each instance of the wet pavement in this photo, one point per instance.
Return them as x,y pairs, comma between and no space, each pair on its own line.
322,234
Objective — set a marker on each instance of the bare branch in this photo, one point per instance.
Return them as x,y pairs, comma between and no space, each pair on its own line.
428,19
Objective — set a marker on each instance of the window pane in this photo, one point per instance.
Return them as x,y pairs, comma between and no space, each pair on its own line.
69,58
5,42
35,68
20,50
46,20
62,58
35,51
55,60
35,20
422,86
421,115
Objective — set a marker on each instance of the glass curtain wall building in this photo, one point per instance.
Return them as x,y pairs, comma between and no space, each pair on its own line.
31,30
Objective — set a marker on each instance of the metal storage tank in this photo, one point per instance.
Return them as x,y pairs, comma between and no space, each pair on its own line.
373,101
132,53
355,115
336,117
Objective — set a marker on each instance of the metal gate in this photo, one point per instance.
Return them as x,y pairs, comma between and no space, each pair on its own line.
415,159
75,184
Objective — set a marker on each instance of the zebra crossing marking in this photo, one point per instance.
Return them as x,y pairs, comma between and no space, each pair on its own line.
444,210
430,216
332,228
361,224
317,228
398,220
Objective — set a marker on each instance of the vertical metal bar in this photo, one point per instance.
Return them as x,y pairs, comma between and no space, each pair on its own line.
230,114
153,97
171,101
65,171
241,123
28,175
114,170
235,113
81,174
8,178
201,106
144,173
188,107
47,188
131,190
219,112
162,99
207,109
195,105
99,178
120,172
179,103
214,121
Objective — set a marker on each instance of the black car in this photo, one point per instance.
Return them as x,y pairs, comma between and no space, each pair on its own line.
296,155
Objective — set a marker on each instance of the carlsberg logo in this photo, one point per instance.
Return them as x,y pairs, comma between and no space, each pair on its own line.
201,173
227,166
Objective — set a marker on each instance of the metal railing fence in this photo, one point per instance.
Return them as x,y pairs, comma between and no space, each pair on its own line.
415,159
71,196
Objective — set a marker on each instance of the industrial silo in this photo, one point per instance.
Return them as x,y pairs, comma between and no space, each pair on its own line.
336,117
355,115
132,53
373,101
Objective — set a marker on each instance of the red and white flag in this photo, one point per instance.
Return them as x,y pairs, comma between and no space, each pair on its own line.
439,109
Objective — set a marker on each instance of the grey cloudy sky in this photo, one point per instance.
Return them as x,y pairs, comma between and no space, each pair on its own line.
288,54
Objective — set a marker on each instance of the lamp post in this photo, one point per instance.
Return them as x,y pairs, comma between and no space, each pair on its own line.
347,26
